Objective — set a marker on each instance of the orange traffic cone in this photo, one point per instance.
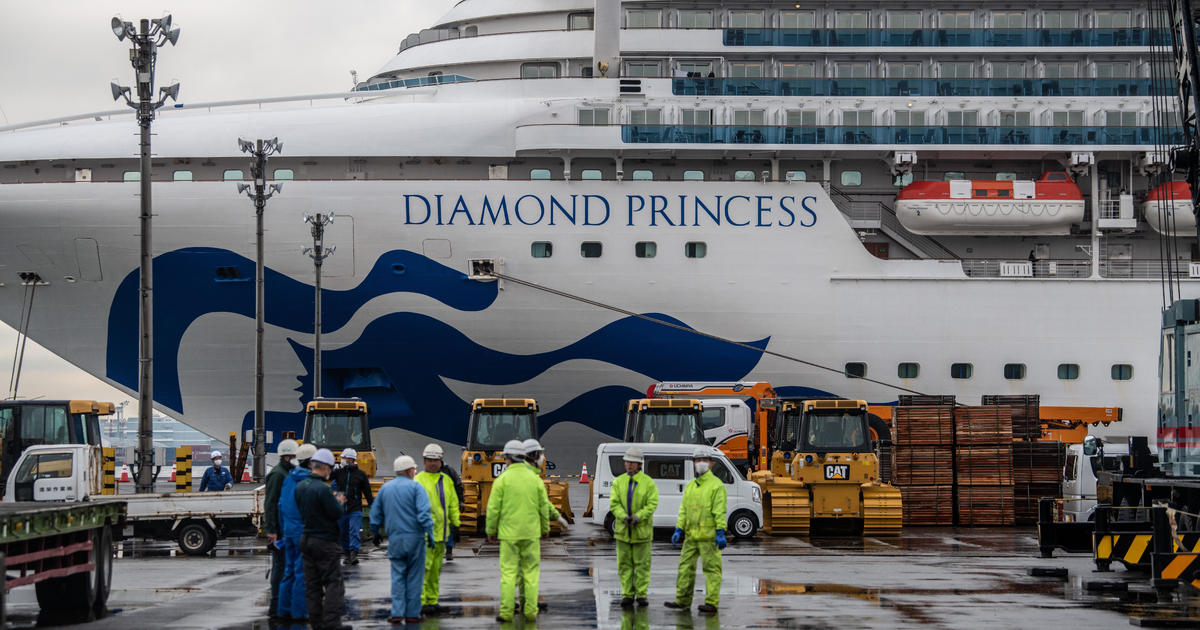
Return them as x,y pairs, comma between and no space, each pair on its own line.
583,477
246,474
125,473
172,472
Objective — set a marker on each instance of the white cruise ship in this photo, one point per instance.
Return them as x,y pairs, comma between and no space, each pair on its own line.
952,197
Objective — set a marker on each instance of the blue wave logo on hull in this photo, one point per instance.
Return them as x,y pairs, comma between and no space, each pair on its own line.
397,363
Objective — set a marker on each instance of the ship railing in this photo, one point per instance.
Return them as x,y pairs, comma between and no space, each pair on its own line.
1153,268
946,37
900,135
1047,268
1110,209
881,86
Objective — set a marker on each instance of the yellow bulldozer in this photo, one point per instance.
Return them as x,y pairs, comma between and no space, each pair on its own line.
824,474
495,421
341,423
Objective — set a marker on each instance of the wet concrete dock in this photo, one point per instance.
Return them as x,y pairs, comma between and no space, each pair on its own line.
928,578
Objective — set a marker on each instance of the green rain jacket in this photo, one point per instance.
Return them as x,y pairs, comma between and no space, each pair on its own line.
518,508
645,501
443,502
702,511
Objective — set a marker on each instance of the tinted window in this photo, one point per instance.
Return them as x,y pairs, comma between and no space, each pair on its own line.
693,176
645,249
590,249
643,175
541,249
908,370
539,173
1069,468
712,418
851,178
284,173
722,472
591,174
1014,371
6,416
856,370
664,467
44,425
616,463
961,370
743,176
336,430
1122,372
495,427
695,250
182,176
835,432
232,174
1068,371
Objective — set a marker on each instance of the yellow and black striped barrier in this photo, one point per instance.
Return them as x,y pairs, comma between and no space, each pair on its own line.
183,469
1129,549
110,470
1175,560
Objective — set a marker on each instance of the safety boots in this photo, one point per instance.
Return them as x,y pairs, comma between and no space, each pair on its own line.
352,557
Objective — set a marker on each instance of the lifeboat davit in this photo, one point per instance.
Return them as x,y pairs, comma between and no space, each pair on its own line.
991,207
1169,202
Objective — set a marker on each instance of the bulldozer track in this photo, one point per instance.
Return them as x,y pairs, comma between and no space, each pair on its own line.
882,511
790,509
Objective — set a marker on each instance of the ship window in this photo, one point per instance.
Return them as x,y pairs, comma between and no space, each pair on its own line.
1014,371
904,70
591,249
743,117
1008,70
581,21
232,174
1120,119
1068,371
1111,69
851,19
851,178
645,116
744,69
591,174
696,68
695,249
181,176
797,70
747,19
981,193
1010,118
795,176
851,117
954,19
645,249
695,18
1122,372
902,179
856,370
643,18
956,69
909,118
642,69
802,118
1060,70
471,31
904,19
541,249
743,175
132,176
797,19
1060,19
593,116
284,173
961,370
539,173
1008,19
693,176
1002,192
852,69
953,175
695,116
1112,19
908,370
643,175
1006,177
539,70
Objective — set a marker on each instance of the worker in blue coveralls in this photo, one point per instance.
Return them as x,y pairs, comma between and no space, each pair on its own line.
291,605
217,477
401,514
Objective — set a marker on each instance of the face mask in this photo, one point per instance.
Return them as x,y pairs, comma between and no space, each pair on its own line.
701,468
217,463
541,461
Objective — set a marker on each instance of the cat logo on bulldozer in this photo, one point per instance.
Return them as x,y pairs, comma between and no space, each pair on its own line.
837,472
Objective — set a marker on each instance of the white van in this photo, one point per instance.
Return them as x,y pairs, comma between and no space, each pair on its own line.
670,465
1083,463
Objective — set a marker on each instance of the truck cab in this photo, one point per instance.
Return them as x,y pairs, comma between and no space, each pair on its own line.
493,422
665,421
26,423
341,423
1083,464
56,472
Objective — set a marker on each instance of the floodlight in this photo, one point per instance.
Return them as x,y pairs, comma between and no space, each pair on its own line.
171,91
119,28
173,36
242,188
245,145
117,91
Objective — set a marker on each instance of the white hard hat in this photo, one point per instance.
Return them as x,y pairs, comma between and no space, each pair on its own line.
216,455
433,451
403,463
349,453
531,445
287,447
702,452
323,456
634,454
305,452
514,448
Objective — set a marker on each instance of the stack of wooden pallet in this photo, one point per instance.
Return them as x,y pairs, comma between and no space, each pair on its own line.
1026,413
983,465
923,438
1037,470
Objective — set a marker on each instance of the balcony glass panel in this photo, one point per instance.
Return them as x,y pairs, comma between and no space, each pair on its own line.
893,135
949,37
893,86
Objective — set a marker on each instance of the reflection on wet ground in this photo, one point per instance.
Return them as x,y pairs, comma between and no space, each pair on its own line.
927,578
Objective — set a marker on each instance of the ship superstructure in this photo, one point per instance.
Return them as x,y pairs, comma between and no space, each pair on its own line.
954,198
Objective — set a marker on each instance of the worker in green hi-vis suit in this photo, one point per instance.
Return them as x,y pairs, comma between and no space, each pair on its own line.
632,503
701,528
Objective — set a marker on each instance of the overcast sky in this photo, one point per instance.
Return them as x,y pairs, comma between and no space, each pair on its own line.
60,55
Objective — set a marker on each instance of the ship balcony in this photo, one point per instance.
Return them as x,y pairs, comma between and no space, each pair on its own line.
890,136
1117,214
770,86
947,37
1111,268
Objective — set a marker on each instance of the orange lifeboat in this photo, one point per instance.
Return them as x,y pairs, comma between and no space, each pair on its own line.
1169,205
991,207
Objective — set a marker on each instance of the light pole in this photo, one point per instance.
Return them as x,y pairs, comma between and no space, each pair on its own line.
259,151
146,38
318,252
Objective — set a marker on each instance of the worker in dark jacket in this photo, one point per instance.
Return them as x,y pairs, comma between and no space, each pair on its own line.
271,527
352,482
216,478
458,490
320,510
